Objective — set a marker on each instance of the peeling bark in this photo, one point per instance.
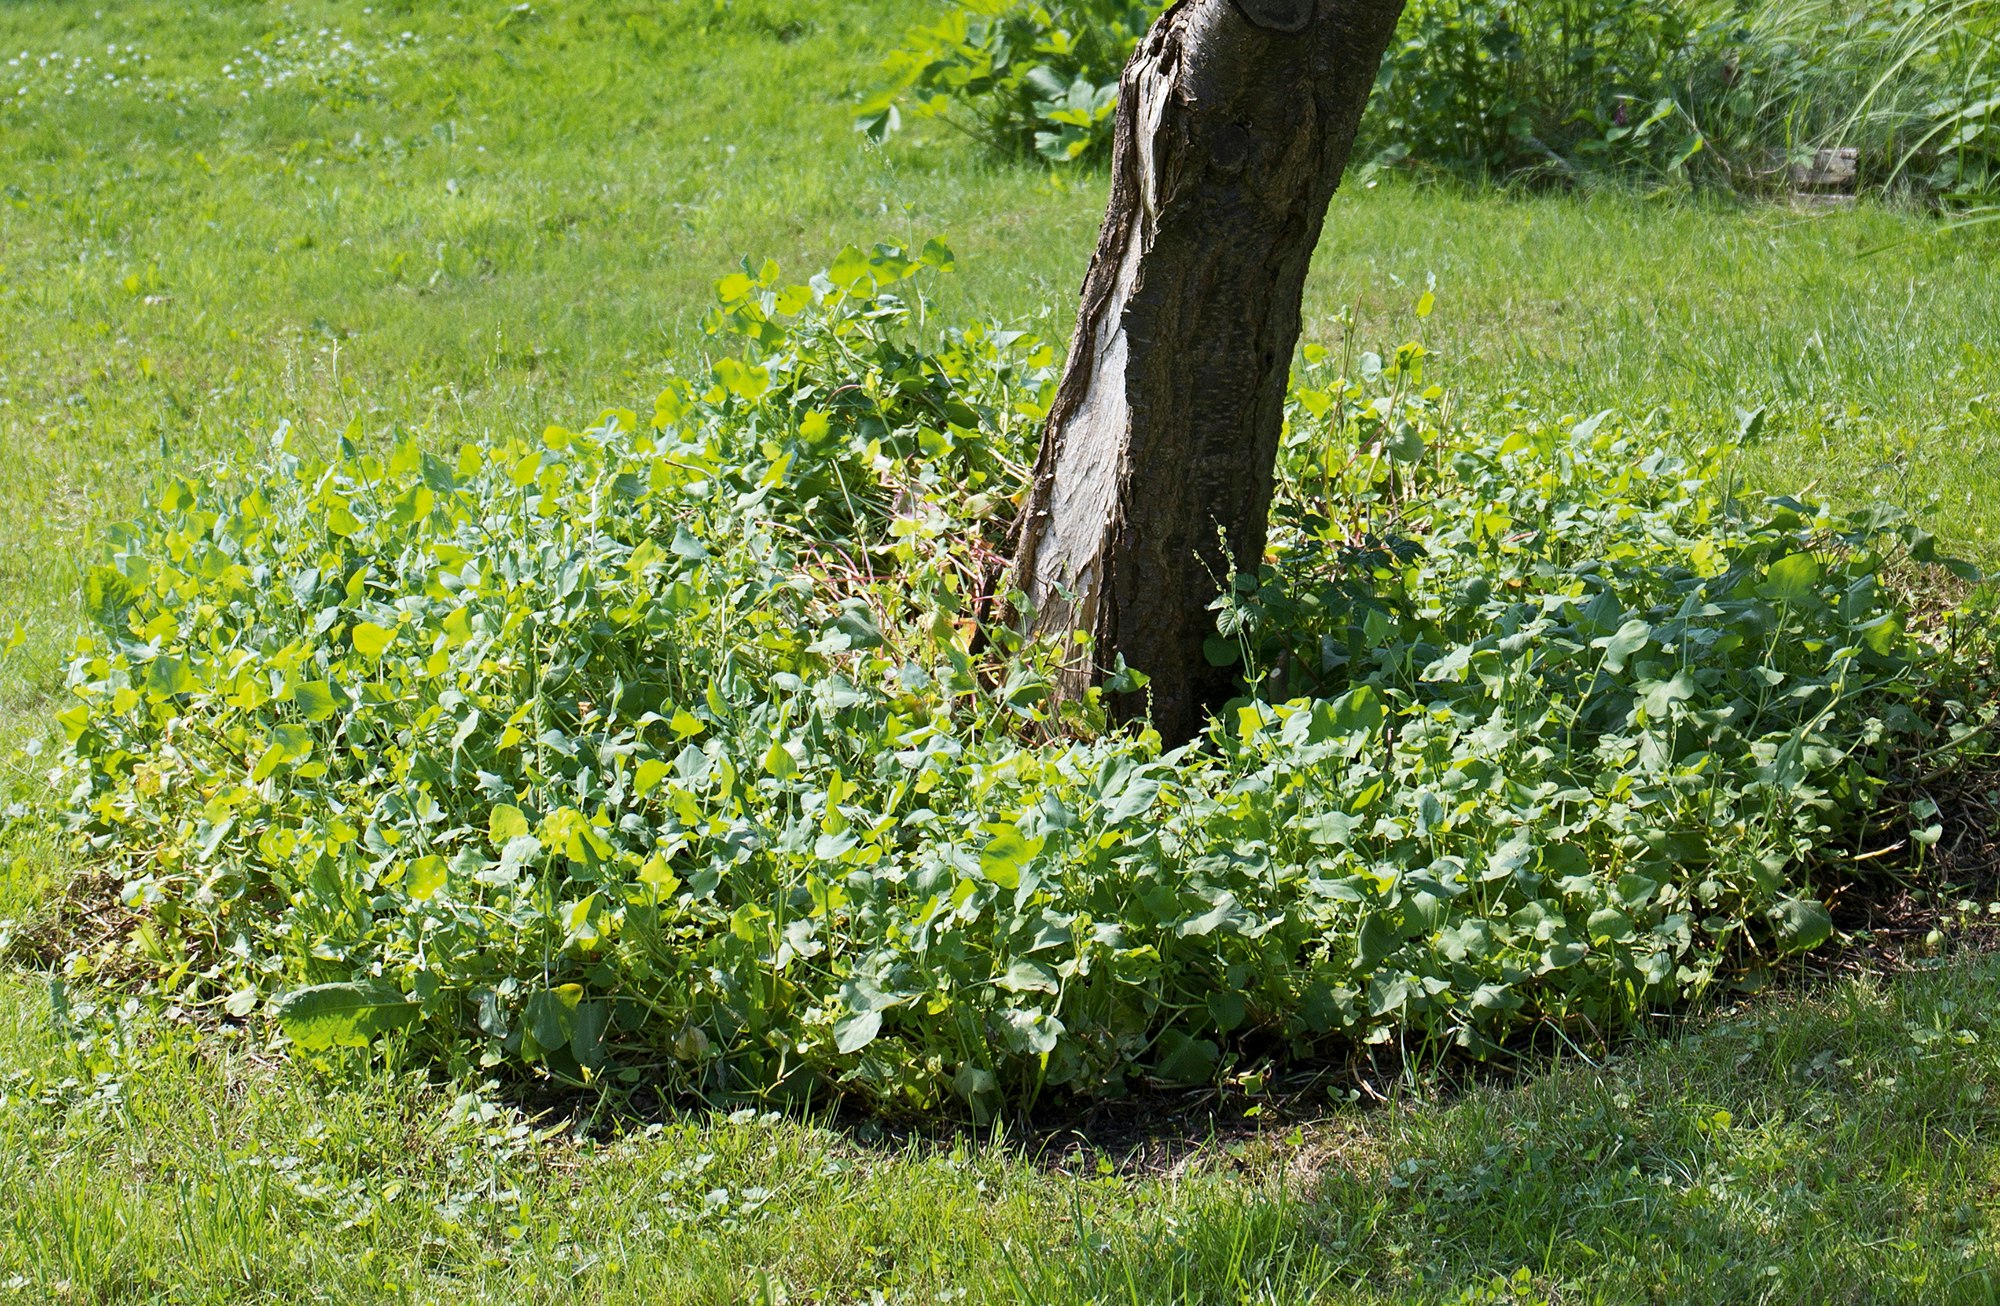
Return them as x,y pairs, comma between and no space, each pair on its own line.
1235,121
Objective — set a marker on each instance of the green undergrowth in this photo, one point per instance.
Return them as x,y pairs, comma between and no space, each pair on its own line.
1722,94
1024,80
670,750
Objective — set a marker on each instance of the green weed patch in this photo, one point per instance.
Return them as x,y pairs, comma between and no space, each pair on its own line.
671,749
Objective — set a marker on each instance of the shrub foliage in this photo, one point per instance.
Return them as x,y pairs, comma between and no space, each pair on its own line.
1714,92
679,747
1723,94
1026,79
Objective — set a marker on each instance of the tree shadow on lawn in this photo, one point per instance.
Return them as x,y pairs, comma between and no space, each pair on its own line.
1832,1143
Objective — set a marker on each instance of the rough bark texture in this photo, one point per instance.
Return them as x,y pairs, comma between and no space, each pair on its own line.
1154,481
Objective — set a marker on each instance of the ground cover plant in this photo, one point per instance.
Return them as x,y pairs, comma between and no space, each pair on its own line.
674,744
431,283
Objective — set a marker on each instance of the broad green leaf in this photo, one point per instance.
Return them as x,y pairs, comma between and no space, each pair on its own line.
855,1031
591,1023
1185,1060
341,521
1801,923
855,627
1793,579
1560,956
650,773
427,876
1405,444
974,1083
108,595
850,268
1608,923
1133,798
1374,941
1660,696
1331,829
1356,717
1026,976
314,700
550,1016
779,762
1633,636
506,822
1223,909
1006,853
692,765
744,380
344,1015
1587,428
288,744
1032,1032
659,877
170,677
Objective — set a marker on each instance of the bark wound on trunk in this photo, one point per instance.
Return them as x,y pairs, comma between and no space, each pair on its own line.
1154,481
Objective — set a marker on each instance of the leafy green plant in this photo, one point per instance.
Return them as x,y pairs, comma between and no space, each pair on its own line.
1502,87
1711,92
1915,88
672,748
1720,92
1026,79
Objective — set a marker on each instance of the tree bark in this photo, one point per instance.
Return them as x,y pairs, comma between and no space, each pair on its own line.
1154,481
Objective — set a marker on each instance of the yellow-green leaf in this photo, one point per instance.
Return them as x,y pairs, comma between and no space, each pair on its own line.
658,877
506,822
371,640
651,772
1007,851
427,876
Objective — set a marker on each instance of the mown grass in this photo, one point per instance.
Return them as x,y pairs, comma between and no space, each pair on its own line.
517,222
1838,1147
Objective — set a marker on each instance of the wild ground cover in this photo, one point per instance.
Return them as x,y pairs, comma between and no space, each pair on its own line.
342,219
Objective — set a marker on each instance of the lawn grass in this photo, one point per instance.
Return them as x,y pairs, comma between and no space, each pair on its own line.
486,219
1836,1147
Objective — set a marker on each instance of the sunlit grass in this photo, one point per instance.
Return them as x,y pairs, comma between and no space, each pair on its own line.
1837,1147
512,217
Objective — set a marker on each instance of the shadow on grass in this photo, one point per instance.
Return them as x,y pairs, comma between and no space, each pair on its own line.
1836,1144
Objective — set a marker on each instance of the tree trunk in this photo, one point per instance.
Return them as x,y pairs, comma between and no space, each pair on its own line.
1153,485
